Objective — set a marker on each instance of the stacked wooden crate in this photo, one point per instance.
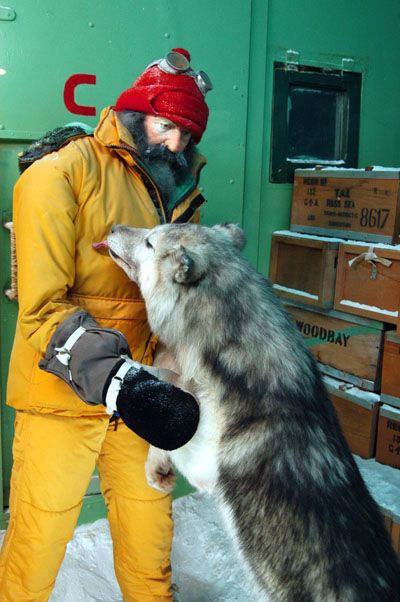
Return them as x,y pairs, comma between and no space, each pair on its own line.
348,348
338,272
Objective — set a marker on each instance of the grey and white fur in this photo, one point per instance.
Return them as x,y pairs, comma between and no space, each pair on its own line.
269,446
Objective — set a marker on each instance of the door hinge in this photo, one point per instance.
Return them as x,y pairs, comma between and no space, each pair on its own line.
7,14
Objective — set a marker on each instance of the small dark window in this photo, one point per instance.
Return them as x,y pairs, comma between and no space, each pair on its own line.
315,120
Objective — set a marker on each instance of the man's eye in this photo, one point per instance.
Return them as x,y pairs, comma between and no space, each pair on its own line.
148,244
162,127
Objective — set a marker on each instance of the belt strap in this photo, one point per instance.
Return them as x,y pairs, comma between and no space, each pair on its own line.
115,387
64,354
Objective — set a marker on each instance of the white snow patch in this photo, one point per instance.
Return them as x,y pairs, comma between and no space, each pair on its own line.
294,234
294,291
87,572
204,562
340,385
315,161
390,412
351,169
371,308
383,483
346,241
372,245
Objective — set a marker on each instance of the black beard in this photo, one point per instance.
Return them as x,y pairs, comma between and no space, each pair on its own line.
168,169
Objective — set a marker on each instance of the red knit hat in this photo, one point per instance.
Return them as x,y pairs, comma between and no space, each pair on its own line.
175,96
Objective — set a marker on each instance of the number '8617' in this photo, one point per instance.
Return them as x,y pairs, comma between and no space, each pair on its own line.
374,218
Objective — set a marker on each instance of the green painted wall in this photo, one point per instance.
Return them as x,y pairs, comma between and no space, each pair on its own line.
48,41
324,33
236,41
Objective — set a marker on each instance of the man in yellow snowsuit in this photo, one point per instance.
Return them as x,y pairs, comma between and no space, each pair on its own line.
140,168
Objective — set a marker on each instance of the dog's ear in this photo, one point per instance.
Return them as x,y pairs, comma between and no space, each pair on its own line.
234,232
186,267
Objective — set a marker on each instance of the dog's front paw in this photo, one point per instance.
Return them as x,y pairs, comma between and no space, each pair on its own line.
161,477
159,470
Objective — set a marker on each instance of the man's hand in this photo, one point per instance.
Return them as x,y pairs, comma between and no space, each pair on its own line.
95,362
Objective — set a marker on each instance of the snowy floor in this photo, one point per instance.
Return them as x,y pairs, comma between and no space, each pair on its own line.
204,565
205,568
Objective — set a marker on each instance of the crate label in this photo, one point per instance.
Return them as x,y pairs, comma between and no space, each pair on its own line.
360,205
340,344
391,442
315,334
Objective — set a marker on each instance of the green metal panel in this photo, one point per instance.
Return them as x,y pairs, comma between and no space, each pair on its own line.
48,41
256,130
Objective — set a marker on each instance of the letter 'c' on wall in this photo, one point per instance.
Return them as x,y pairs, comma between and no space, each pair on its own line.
69,93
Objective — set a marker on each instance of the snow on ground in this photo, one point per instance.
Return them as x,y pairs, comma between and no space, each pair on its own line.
205,567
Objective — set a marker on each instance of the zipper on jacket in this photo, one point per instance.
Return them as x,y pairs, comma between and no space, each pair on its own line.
189,211
146,178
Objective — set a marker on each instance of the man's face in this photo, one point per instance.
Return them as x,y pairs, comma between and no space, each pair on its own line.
163,131
166,148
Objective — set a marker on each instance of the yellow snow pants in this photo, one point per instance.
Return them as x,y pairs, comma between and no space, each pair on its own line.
54,458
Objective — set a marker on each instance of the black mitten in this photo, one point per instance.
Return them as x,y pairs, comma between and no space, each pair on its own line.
156,410
95,363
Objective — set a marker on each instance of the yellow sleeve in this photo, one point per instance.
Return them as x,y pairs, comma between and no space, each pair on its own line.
44,209
196,217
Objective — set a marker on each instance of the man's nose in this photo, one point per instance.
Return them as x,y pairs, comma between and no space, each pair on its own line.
175,141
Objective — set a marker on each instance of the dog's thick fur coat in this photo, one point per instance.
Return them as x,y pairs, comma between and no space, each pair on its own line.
269,445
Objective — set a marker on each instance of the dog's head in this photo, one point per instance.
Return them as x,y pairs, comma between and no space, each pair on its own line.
180,254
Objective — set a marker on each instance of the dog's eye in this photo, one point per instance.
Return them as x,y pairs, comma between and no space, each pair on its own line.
148,244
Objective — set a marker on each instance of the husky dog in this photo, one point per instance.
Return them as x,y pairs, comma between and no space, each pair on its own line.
269,445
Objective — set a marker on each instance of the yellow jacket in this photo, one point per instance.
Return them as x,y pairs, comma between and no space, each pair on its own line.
62,204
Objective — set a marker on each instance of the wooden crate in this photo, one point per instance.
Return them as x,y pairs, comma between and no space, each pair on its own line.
388,437
303,268
390,391
358,414
359,204
395,532
368,288
392,523
346,347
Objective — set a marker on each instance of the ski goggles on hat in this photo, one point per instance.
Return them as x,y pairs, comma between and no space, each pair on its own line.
177,63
